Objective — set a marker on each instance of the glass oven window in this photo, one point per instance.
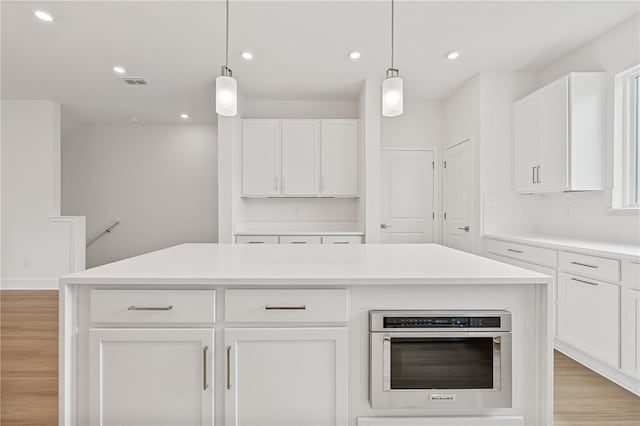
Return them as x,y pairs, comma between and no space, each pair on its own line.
442,363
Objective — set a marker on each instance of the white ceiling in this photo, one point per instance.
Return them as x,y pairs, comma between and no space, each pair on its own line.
301,49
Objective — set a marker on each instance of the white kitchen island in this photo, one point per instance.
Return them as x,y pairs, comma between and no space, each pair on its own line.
203,334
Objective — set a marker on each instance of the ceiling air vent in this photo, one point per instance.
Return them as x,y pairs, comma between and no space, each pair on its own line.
134,81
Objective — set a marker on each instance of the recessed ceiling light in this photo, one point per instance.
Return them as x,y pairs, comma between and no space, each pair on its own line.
454,54
354,55
184,116
118,69
247,55
41,14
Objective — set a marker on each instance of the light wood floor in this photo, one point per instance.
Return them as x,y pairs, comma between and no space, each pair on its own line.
29,372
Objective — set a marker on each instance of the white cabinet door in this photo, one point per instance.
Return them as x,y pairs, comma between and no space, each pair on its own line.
631,331
339,169
589,316
525,119
260,158
300,157
151,377
286,376
553,137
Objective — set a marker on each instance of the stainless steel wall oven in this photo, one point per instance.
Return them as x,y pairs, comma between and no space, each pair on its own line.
440,359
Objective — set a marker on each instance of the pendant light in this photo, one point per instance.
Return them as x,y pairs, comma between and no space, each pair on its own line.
226,85
392,87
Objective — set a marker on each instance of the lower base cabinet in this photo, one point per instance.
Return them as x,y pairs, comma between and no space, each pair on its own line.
286,376
589,316
151,377
631,332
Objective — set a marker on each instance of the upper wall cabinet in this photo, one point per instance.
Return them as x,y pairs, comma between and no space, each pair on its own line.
559,136
261,158
300,158
339,158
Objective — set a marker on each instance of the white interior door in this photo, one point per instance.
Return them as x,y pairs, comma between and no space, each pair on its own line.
407,197
457,196
151,377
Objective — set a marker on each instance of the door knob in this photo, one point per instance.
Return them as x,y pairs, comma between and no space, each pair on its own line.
465,229
384,226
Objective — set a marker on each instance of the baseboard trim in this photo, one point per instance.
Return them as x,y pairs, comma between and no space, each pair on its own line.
606,371
29,284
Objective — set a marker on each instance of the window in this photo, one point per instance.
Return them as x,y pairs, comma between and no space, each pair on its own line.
626,194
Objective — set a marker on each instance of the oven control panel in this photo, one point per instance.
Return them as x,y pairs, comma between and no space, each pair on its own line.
441,322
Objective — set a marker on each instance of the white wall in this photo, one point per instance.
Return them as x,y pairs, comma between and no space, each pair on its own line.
587,215
299,109
37,245
419,126
160,180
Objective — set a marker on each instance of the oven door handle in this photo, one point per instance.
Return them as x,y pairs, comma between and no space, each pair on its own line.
386,363
497,364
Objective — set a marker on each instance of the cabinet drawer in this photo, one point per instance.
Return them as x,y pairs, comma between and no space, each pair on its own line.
631,275
152,306
286,305
590,266
335,239
251,239
530,254
294,239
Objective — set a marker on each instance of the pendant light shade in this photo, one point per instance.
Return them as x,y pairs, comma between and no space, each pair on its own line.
392,86
392,95
226,95
226,85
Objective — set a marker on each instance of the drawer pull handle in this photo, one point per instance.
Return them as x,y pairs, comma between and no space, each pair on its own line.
515,251
285,308
584,282
585,265
298,242
256,242
341,242
150,308
228,367
205,385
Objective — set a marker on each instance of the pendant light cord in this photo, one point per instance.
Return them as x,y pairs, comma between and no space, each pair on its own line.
226,61
392,29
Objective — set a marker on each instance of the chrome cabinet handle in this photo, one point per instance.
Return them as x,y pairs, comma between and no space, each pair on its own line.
149,308
583,281
256,242
533,174
465,229
341,242
285,308
538,174
298,242
205,385
228,367
515,251
585,265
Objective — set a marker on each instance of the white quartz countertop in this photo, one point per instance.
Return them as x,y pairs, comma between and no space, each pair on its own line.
313,264
626,251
